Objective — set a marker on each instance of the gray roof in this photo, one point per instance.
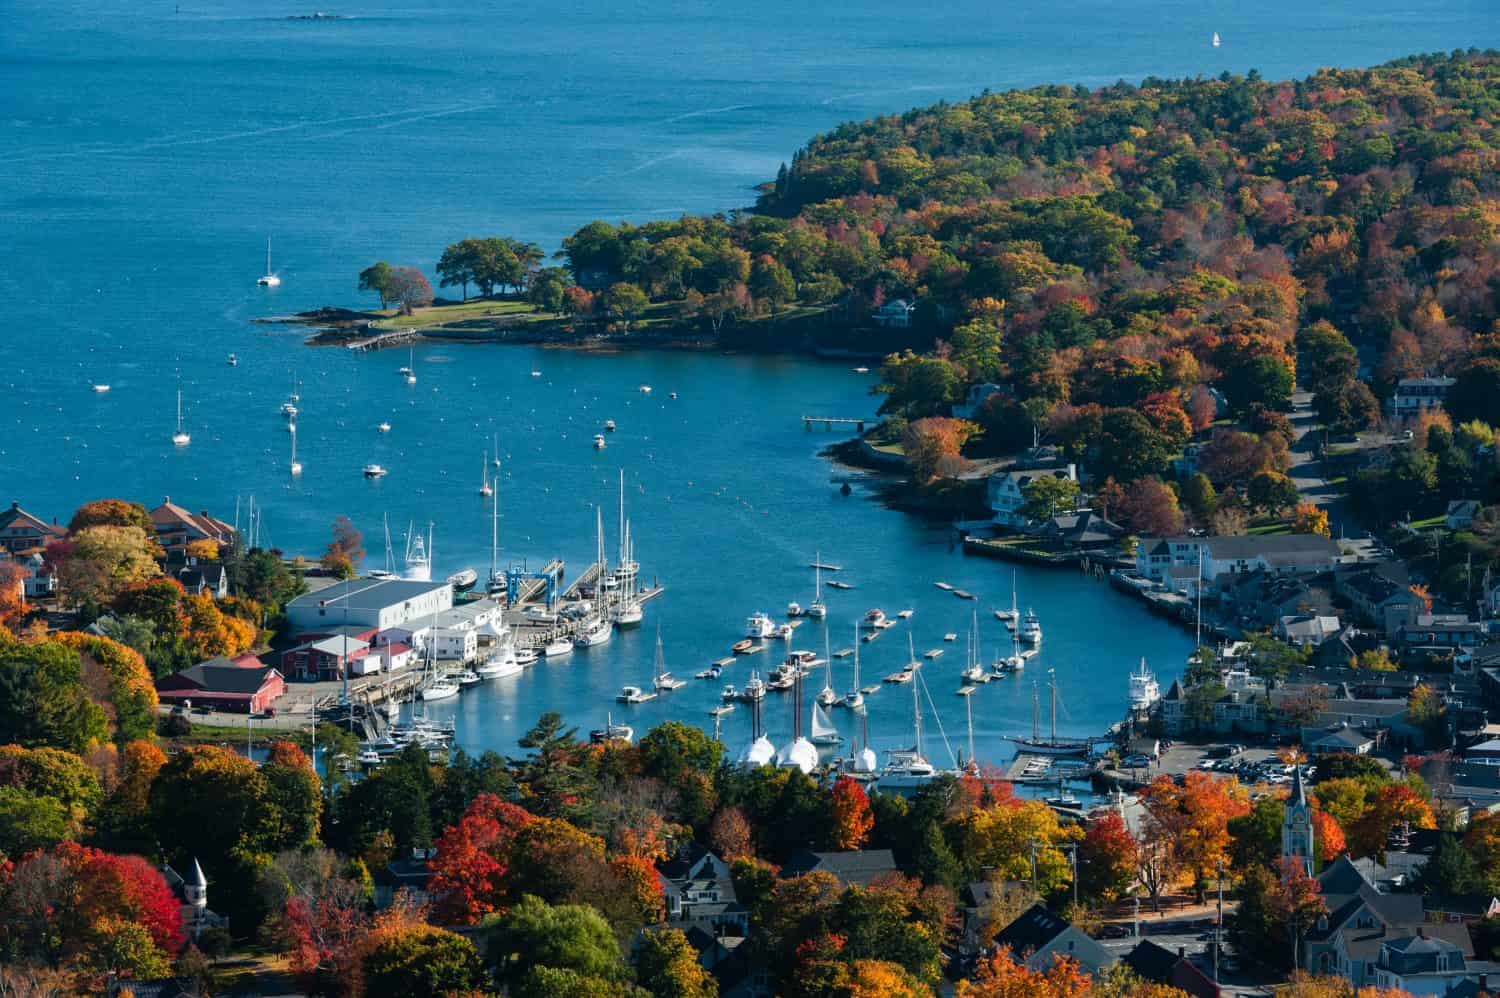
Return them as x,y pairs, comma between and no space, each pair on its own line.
219,675
364,594
1275,546
858,867
1344,736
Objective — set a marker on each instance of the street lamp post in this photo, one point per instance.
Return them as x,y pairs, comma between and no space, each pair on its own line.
1219,923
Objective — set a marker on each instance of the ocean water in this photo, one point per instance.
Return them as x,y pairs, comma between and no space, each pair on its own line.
150,149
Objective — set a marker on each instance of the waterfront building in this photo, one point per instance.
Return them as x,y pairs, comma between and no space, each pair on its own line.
1005,491
1226,558
176,528
895,314
1412,395
381,604
245,685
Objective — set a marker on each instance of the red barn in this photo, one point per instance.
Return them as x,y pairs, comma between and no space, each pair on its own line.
245,686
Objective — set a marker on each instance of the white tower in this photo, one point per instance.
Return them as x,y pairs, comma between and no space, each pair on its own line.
195,894
1296,826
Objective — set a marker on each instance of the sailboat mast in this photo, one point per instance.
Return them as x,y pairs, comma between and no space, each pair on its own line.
1036,733
1052,686
827,662
856,658
494,532
969,721
916,711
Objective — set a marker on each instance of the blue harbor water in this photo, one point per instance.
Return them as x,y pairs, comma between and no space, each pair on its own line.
151,148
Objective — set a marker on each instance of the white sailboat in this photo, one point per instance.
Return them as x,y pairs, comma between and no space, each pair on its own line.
1216,40
663,680
181,437
823,730
826,696
760,751
495,461
973,673
611,732
908,769
1010,616
409,372
296,466
628,611
817,610
269,278
601,628
855,700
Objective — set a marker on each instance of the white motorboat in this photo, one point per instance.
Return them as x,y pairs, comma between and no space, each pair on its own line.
233,361
785,632
1144,691
369,757
609,426
384,428
535,373
755,689
634,694
441,688
599,441
597,633
181,437
558,648
526,657
874,619
463,579
1030,630
418,562
729,693
100,388
758,626
794,609
469,678
712,672
374,471
269,278
645,389
289,410
502,662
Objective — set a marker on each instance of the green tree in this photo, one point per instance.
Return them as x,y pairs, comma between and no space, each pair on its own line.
1273,491
566,937
546,289
1047,495
29,822
459,264
420,960
625,303
43,703
771,283
376,278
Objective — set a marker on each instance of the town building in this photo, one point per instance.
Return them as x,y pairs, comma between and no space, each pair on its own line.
192,895
1380,595
699,892
1442,632
1225,558
1307,630
176,528
205,577
1412,395
21,532
1005,491
1460,514
1037,938
245,685
1159,965
975,399
896,314
377,603
857,868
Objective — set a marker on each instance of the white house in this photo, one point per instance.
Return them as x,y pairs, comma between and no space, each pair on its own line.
1412,395
895,314
1005,492
381,604
1225,557
457,632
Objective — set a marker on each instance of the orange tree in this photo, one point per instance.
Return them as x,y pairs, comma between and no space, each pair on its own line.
1001,976
1194,818
852,820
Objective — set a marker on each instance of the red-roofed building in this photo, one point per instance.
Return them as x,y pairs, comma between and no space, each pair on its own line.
246,685
20,531
176,528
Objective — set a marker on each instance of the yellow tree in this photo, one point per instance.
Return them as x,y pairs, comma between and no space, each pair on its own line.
105,558
1002,836
1310,519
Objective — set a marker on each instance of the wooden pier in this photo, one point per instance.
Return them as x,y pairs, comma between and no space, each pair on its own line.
384,338
829,422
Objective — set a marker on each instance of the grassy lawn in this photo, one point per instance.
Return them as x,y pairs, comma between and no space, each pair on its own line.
1273,527
1429,523
469,311
893,448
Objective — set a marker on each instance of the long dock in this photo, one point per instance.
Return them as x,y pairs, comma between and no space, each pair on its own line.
384,338
528,636
829,422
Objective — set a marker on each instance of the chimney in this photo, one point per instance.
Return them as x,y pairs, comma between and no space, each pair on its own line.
1421,932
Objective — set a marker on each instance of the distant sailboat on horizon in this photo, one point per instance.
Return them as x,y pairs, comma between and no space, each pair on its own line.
1216,42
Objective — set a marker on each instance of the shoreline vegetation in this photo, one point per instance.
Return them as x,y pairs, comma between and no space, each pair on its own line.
1138,276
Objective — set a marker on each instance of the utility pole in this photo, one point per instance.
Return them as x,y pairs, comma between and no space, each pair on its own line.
1032,844
1073,862
1219,924
249,723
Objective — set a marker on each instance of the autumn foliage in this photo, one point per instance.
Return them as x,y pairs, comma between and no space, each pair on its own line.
852,820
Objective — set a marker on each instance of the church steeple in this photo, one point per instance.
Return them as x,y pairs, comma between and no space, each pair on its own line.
1296,825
